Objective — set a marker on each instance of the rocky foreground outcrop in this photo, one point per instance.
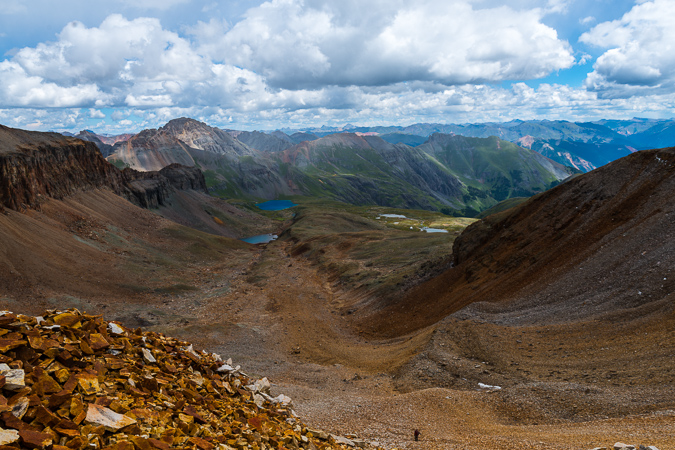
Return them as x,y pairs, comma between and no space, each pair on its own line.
35,166
72,381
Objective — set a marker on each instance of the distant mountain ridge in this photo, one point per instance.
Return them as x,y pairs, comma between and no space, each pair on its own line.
583,145
455,174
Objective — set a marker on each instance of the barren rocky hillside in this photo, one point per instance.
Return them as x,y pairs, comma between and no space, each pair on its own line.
590,248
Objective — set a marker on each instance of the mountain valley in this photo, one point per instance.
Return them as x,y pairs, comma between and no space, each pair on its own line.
548,325
449,173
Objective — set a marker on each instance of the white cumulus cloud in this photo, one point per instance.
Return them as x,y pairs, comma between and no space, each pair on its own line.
303,44
283,54
320,61
640,55
19,88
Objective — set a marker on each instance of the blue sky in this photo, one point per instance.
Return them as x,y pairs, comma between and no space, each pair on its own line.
123,65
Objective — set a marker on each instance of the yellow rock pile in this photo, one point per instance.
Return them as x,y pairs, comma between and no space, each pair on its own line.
71,381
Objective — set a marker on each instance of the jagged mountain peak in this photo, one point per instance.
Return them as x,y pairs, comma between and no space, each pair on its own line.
201,136
183,122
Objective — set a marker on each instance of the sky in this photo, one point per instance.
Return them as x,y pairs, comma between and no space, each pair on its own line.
117,66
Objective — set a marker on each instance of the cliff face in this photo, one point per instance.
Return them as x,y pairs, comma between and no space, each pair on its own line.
36,166
153,189
185,178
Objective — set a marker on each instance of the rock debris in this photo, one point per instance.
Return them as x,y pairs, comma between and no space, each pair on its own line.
72,381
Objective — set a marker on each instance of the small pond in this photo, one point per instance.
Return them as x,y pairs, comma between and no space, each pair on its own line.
276,205
434,230
261,239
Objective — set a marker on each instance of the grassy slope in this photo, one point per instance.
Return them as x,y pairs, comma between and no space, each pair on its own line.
369,255
458,177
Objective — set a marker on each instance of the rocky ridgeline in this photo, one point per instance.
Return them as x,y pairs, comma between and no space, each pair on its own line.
36,166
72,381
153,189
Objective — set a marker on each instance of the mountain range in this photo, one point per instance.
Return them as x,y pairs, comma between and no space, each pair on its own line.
456,174
583,145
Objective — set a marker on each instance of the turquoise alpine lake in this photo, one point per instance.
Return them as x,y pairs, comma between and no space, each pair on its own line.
276,205
261,239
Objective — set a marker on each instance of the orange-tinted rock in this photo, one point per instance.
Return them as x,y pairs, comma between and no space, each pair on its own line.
98,342
121,445
88,383
10,344
42,344
45,417
77,443
201,443
75,393
67,319
158,444
44,384
35,439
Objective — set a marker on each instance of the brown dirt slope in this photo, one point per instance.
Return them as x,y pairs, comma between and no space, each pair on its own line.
212,215
600,244
97,248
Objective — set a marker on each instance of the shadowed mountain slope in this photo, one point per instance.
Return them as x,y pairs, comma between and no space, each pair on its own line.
452,172
599,245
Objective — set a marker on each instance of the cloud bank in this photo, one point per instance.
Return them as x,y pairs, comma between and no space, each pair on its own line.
317,61
640,55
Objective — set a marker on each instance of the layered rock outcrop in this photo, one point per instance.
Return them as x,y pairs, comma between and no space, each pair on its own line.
35,166
153,189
